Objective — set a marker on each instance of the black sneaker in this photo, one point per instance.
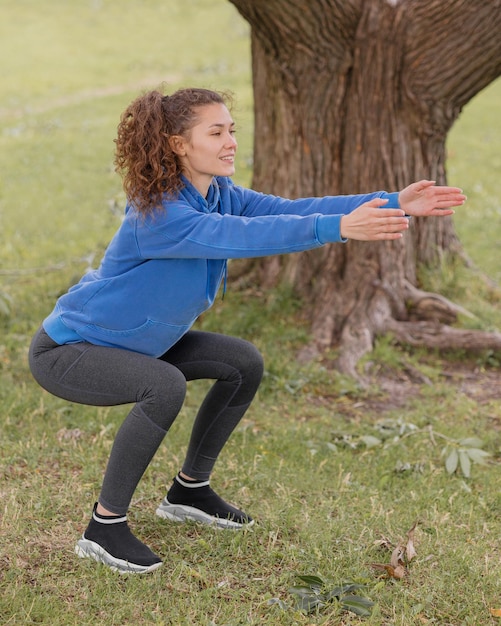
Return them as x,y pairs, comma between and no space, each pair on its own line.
112,543
198,502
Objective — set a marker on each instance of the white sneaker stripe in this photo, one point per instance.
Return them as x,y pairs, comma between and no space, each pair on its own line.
109,520
191,485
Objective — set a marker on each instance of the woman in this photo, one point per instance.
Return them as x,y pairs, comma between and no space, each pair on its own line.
123,333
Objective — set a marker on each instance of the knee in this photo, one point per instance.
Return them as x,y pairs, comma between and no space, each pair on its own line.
163,396
252,361
171,389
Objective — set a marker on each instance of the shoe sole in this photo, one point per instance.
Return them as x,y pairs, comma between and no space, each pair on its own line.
90,549
185,513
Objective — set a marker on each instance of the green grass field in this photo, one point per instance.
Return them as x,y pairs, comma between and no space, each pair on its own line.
333,473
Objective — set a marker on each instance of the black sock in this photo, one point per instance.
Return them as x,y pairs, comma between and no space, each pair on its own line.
107,519
190,483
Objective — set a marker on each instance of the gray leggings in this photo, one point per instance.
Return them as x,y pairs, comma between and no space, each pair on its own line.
100,376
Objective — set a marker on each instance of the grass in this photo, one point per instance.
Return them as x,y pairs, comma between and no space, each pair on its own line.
474,163
299,461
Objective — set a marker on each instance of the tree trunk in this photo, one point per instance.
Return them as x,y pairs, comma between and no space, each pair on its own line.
353,96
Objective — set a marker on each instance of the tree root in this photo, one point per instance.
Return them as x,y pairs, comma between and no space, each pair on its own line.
423,305
435,335
428,324
424,321
425,334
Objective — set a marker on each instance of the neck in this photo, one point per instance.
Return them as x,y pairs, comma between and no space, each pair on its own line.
202,186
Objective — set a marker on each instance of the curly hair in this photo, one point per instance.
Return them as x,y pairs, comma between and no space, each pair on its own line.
143,156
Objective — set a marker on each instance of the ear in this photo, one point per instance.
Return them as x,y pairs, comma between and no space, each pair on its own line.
177,145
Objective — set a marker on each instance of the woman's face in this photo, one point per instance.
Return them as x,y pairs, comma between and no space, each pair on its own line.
209,149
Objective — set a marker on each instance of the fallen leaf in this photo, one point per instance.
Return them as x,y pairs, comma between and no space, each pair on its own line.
400,572
385,543
410,551
69,434
397,572
495,612
401,555
397,556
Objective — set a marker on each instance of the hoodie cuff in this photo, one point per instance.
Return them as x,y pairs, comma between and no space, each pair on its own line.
392,198
328,229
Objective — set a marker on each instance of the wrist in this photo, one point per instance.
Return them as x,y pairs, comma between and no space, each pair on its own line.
394,201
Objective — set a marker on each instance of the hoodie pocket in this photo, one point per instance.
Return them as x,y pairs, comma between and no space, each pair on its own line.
151,338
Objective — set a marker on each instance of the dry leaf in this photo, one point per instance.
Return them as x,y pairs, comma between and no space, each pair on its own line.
410,551
65,434
401,555
400,572
384,542
397,572
495,612
397,557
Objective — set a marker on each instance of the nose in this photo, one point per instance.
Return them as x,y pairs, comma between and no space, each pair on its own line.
231,141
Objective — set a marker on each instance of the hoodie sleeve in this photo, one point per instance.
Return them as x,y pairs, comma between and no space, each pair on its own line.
185,232
252,224
253,203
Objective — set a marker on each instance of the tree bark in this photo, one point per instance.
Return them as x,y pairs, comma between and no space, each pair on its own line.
353,96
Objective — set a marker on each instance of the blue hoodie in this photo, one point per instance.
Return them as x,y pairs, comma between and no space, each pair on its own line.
160,272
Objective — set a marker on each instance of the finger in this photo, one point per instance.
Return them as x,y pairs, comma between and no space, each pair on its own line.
423,184
387,236
442,212
396,226
451,196
391,213
446,189
446,203
392,226
375,202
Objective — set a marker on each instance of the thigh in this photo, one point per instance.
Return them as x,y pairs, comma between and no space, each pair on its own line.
200,354
97,375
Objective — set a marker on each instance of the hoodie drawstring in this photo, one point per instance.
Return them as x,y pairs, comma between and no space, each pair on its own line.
225,278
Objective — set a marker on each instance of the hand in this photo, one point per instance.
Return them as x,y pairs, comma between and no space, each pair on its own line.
369,222
423,199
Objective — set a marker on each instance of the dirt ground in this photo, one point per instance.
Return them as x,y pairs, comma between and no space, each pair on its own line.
481,385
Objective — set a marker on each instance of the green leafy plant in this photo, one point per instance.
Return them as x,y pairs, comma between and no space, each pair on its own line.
459,455
314,593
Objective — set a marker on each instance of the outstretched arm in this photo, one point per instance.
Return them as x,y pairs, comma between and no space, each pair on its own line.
372,222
